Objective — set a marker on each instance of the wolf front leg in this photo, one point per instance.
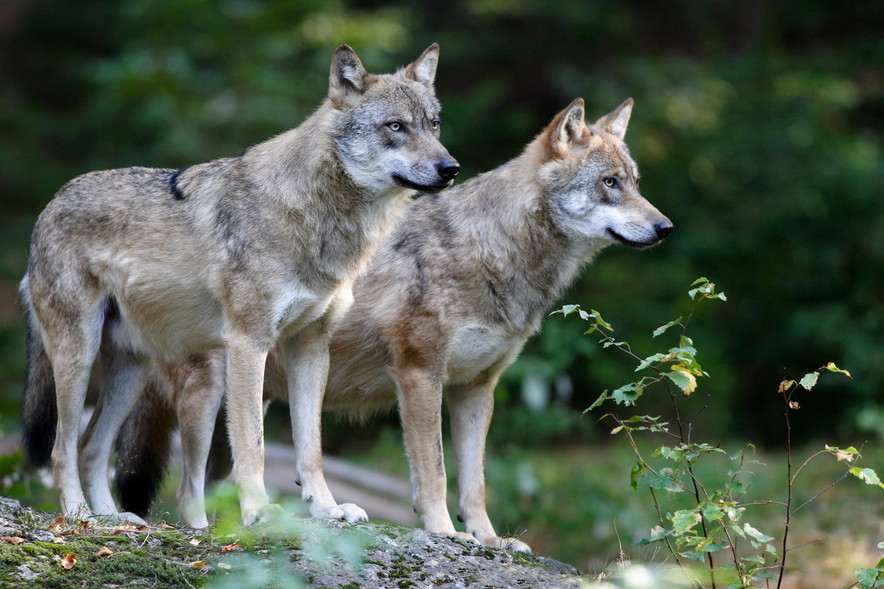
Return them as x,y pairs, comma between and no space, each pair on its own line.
471,407
419,393
245,423
306,364
197,387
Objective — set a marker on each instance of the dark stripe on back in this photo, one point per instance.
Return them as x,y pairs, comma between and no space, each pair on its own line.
177,193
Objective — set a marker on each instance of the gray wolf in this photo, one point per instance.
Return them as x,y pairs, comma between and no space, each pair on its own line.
446,306
242,253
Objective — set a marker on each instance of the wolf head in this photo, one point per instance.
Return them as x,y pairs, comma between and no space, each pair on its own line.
592,180
388,130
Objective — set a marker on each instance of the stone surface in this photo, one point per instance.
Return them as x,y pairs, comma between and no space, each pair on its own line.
320,553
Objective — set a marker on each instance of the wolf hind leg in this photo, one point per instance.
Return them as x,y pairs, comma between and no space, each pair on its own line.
72,354
470,408
123,376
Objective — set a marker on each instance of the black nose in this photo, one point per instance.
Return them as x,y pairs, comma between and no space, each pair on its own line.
447,169
663,228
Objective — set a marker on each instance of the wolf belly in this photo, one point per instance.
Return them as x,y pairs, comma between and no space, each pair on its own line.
473,349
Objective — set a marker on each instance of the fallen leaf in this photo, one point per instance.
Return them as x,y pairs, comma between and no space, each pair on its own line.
13,540
104,551
195,542
198,564
57,524
68,561
229,547
59,540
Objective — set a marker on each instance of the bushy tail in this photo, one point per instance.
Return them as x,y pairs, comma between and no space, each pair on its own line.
220,455
142,449
39,412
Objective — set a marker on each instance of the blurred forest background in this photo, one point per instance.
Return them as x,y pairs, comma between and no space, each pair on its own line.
757,128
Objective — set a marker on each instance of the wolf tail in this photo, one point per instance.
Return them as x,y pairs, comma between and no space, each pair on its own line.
220,461
142,448
39,412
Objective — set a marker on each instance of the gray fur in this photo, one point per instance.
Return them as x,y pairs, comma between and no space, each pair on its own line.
243,253
457,289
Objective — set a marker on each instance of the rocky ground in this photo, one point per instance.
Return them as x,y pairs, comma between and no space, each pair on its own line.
38,549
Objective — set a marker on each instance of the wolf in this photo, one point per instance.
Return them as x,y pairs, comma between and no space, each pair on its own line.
446,306
242,253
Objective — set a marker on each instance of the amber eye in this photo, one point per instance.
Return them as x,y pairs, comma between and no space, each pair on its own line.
611,182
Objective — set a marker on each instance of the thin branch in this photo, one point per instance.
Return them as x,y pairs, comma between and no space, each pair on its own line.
826,490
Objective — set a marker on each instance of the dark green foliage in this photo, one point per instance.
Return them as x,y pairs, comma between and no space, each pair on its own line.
757,130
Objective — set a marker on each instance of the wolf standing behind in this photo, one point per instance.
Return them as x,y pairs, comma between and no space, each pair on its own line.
242,253
445,307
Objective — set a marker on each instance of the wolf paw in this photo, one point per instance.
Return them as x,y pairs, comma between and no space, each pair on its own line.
510,544
261,514
345,511
131,518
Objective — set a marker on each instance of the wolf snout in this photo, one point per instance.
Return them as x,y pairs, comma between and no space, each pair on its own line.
447,169
663,228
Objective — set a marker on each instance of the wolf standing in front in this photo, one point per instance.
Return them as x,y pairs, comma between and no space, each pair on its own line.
246,252
448,302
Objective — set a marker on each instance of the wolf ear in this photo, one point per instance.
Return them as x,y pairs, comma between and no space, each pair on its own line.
566,129
423,69
347,77
616,121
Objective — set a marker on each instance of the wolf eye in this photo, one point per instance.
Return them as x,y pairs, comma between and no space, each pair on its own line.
395,126
436,124
611,182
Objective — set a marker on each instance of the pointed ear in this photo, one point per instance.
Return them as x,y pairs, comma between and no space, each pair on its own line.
616,121
566,129
423,69
347,77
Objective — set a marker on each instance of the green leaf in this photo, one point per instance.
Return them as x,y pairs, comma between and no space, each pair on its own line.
867,475
627,394
686,381
602,398
598,319
750,531
809,380
568,309
663,328
638,470
684,520
665,480
868,578
752,558
657,534
713,513
649,361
